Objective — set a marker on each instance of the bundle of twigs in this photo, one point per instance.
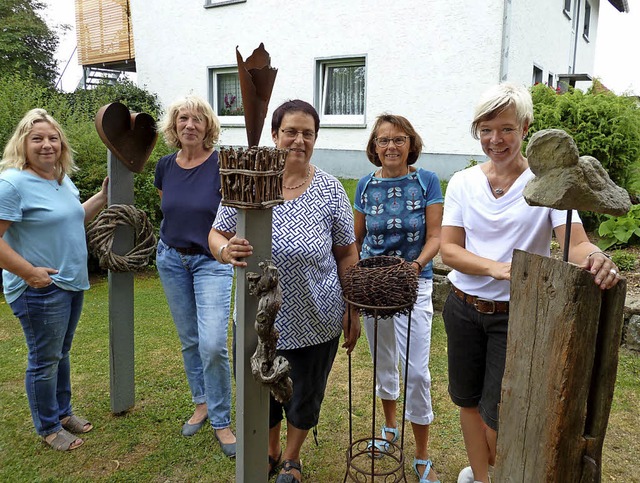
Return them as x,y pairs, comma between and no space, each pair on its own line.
381,285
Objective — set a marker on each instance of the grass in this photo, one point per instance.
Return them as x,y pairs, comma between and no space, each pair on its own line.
144,445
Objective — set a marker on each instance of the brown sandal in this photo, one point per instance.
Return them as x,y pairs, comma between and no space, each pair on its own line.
77,425
63,441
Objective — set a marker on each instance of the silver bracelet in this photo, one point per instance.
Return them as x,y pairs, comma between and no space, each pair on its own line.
599,251
220,250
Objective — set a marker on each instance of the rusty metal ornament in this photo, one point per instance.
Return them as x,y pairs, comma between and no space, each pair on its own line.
130,136
257,78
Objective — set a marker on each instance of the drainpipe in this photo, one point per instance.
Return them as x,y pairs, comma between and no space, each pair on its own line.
506,41
575,37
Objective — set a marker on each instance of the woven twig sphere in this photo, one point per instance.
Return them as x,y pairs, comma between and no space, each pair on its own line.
101,232
381,284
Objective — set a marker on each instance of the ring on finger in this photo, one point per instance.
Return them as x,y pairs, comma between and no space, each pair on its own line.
613,272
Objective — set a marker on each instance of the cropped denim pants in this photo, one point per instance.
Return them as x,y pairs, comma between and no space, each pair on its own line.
49,317
198,291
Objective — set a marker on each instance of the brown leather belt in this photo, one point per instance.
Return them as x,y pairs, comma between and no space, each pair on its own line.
483,306
191,251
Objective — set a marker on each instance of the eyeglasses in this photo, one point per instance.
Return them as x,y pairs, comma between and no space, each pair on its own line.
291,134
398,141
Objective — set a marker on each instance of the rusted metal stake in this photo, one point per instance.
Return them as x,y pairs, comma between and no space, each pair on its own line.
567,237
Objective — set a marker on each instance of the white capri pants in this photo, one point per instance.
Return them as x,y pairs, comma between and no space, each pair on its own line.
392,350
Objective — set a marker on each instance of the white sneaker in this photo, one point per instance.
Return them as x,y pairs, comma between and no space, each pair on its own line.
466,475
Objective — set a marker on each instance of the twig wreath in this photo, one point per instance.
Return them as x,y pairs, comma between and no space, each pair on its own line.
100,234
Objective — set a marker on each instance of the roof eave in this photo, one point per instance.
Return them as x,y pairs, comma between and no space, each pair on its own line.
620,5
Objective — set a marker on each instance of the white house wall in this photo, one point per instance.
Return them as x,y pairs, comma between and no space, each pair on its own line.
542,35
427,60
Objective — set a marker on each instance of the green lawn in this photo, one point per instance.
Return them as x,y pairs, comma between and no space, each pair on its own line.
144,445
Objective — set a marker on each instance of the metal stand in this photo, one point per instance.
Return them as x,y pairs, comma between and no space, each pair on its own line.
364,463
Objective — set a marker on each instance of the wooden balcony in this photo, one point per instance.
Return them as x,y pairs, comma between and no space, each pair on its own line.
105,34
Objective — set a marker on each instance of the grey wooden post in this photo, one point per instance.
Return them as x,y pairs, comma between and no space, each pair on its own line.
121,296
252,398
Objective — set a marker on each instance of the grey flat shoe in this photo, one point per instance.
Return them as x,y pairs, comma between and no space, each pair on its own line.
229,449
191,429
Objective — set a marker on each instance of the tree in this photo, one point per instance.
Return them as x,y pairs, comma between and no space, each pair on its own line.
26,42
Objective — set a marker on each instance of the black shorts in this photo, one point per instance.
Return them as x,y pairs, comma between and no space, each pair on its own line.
477,349
310,367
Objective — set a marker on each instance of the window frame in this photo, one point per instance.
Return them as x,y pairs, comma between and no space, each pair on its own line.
586,23
213,72
220,3
566,11
536,70
322,65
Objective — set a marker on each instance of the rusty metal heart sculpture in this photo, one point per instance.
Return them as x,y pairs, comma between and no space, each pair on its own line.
130,136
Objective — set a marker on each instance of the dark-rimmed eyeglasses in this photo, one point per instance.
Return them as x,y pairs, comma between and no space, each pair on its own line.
398,141
307,135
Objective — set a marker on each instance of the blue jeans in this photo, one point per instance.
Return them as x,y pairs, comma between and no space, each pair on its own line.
198,291
49,317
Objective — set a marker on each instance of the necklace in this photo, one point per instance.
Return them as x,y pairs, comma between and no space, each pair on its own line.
500,191
301,184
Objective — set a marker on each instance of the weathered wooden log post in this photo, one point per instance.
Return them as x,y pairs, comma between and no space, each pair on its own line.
564,335
130,138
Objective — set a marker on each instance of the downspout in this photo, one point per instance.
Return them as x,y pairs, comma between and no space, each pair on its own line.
575,37
506,40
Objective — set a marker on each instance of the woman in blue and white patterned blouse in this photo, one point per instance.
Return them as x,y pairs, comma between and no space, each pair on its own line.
398,213
313,244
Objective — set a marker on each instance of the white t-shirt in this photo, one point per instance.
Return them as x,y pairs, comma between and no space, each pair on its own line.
494,227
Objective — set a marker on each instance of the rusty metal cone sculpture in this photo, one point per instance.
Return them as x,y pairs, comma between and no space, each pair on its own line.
257,78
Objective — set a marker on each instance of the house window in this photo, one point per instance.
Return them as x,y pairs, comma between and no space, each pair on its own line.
550,78
587,20
220,3
567,7
340,91
225,96
537,75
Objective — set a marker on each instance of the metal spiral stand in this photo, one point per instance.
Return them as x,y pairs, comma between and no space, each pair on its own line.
364,464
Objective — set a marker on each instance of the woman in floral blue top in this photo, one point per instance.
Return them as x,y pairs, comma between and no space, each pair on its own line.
398,213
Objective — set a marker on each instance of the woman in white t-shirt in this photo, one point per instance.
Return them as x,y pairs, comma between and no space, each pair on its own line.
485,219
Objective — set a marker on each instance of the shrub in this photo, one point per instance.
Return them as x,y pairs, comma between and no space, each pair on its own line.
602,124
620,230
624,260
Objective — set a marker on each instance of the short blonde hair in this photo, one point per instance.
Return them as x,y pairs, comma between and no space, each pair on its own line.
15,152
401,122
498,98
194,104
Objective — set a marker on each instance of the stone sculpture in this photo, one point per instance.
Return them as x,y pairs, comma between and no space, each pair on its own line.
564,180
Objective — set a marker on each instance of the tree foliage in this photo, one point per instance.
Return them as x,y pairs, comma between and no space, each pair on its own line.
26,42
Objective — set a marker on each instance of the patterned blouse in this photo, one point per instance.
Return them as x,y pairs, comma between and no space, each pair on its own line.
305,230
394,210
